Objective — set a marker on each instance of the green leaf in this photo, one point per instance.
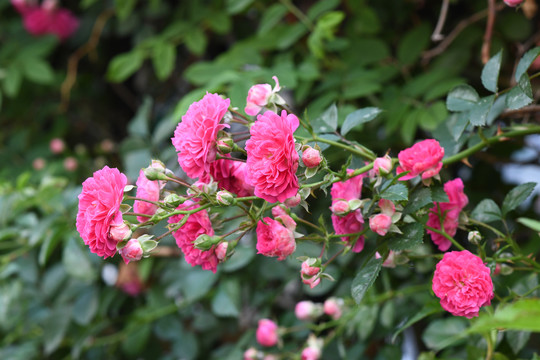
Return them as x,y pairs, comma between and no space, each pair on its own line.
272,15
358,117
137,338
163,59
124,65
479,113
490,72
413,235
197,283
397,192
427,310
38,71
54,328
12,81
86,306
444,332
525,62
327,122
417,200
236,6
124,8
520,95
196,41
530,223
462,98
487,211
76,262
438,194
413,43
517,339
524,314
226,301
365,278
139,125
516,196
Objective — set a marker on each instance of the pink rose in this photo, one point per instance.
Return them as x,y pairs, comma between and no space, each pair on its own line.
380,224
40,21
267,333
274,239
310,274
148,190
195,136
230,175
423,158
448,212
196,224
350,189
259,96
39,163
64,24
463,283
311,157
272,160
99,208
57,146
132,251
513,3
333,307
382,165
311,353
348,224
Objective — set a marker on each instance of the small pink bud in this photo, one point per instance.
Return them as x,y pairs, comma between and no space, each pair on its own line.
513,3
390,261
311,157
387,207
333,307
258,96
120,232
380,224
38,164
278,211
132,251
340,207
57,146
267,333
251,354
293,201
70,164
382,165
310,274
221,251
307,310
311,353
223,197
225,146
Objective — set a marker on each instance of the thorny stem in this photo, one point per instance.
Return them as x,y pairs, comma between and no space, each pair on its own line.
443,233
486,46
333,258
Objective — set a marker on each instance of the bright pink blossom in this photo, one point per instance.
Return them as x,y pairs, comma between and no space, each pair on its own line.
311,157
448,212
230,175
148,190
197,224
423,158
311,353
267,333
463,283
132,251
311,275
382,165
195,136
272,160
42,20
259,96
513,3
380,224
348,224
99,208
350,189
274,239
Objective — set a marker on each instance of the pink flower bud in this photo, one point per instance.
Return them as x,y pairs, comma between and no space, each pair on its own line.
387,207
57,146
251,354
307,310
259,95
310,274
119,232
382,165
513,3
278,211
380,224
390,261
287,221
267,333
221,250
70,164
333,307
293,201
340,207
223,197
132,251
311,157
311,353
38,164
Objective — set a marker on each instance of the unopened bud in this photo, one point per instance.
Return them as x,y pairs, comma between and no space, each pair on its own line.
333,307
205,242
293,201
120,232
340,207
382,165
311,157
132,251
225,145
506,269
153,173
223,197
221,251
474,237
174,200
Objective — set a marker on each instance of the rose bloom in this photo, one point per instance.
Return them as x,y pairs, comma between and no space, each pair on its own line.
195,136
99,208
259,95
449,212
132,251
347,190
267,333
230,175
311,353
380,224
513,3
149,190
274,239
272,160
310,274
197,224
41,21
463,283
348,224
251,354
423,158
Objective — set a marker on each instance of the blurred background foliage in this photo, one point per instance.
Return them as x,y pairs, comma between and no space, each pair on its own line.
115,91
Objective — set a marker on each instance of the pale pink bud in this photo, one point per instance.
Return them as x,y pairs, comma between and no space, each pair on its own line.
221,250
119,232
287,221
293,201
267,332
258,96
513,3
382,165
132,251
251,354
311,157
340,207
310,274
70,163
57,146
387,207
380,224
333,307
278,211
307,310
223,197
38,164
390,261
311,353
